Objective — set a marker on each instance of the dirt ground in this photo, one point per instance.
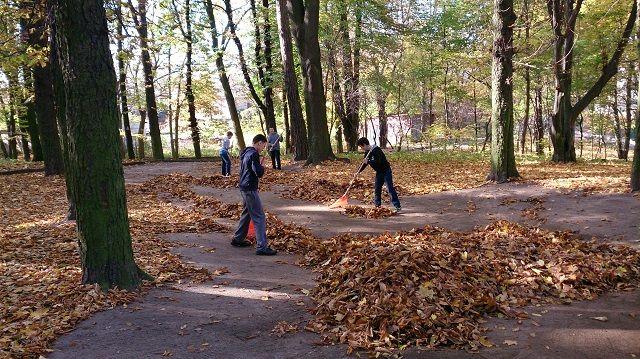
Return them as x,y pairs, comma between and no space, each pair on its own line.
235,315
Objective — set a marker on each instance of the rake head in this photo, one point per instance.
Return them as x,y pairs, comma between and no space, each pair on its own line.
341,202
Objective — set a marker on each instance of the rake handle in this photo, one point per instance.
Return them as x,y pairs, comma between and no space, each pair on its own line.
356,174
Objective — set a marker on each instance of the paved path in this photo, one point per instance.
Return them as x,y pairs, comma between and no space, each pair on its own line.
233,316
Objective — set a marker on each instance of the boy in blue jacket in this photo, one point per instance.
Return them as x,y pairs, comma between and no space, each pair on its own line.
251,169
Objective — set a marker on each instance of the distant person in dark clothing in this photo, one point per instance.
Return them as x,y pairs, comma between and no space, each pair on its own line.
274,148
224,154
374,157
251,169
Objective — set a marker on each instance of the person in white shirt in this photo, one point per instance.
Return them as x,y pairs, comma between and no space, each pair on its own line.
224,154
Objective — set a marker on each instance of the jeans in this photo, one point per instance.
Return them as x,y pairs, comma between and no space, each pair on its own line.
252,211
381,178
226,163
275,159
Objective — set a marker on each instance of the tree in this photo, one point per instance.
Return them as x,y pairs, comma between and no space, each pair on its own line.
266,105
297,126
635,169
95,167
187,33
122,83
503,161
304,16
563,15
537,119
218,47
350,55
43,91
140,19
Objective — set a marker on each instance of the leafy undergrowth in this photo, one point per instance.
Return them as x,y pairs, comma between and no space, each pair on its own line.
432,287
40,292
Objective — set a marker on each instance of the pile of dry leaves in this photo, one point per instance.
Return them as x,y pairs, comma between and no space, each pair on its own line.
431,287
374,212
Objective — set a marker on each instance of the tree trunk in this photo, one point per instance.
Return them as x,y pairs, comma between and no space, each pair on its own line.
222,75
305,25
298,128
29,120
193,121
267,77
11,127
503,161
287,128
141,136
91,107
629,112
60,111
635,168
617,125
527,106
351,101
381,101
140,17
43,105
539,125
122,85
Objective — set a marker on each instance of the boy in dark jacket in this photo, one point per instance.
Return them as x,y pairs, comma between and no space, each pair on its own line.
251,169
374,157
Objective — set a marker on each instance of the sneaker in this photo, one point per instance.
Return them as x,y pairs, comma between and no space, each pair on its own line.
398,209
266,252
243,243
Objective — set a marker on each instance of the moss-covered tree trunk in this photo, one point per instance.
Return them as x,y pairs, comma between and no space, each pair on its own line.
304,16
95,166
298,129
503,161
44,105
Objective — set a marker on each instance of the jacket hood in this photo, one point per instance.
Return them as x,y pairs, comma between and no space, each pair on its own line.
247,150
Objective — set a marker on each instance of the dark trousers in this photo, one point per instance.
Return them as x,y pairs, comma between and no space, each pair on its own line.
275,159
226,163
252,211
382,178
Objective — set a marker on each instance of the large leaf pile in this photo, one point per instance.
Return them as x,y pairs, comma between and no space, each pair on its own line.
432,287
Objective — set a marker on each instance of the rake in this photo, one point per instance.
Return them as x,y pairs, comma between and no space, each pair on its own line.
343,201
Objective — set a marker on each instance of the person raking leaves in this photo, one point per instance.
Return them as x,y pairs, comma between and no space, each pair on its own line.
374,157
251,169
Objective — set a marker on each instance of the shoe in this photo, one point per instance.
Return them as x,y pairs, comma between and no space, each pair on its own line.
266,252
398,209
241,244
